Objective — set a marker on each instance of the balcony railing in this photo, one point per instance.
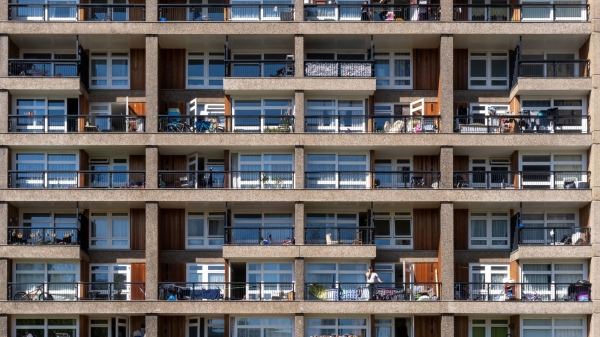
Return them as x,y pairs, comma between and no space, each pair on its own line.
77,12
226,179
259,68
554,236
362,235
368,12
280,123
362,179
361,123
407,179
223,12
77,179
517,13
537,292
252,291
522,179
421,291
76,291
43,236
75,123
251,236
521,124
554,68
43,68
328,68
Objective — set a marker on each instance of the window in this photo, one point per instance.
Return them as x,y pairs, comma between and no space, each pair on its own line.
488,230
542,109
490,173
358,326
329,274
486,282
264,327
393,230
576,12
51,111
205,277
262,115
393,327
252,65
58,277
341,227
271,280
61,11
111,281
45,326
393,70
479,110
335,116
549,228
113,179
486,327
109,70
343,171
113,117
269,10
554,170
209,327
565,67
45,170
270,170
205,70
108,327
488,70
109,230
43,227
551,281
554,326
267,228
394,173
205,230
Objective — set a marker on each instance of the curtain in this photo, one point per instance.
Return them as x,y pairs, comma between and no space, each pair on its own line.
120,228
249,13
478,228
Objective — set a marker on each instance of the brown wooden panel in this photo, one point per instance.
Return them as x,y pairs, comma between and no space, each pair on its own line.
13,50
461,325
514,271
461,229
172,229
514,166
13,213
137,162
136,323
427,163
138,228
515,104
136,14
431,109
461,272
84,160
584,54
85,277
426,69
84,326
461,69
172,326
172,272
228,112
84,109
138,274
137,67
172,163
137,108
426,227
461,163
515,321
584,215
428,326
173,63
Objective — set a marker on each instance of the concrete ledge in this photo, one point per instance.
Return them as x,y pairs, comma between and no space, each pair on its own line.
121,256
551,86
519,307
45,251
306,251
30,83
412,256
480,256
552,252
191,256
311,85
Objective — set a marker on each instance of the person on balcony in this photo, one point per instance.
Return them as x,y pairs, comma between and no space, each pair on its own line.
371,277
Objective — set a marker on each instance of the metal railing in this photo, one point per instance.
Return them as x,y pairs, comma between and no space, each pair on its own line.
362,235
77,291
554,236
77,179
226,12
328,68
77,12
518,13
521,124
226,179
537,292
338,291
372,12
75,123
259,68
368,179
43,67
281,123
554,68
228,291
367,123
406,179
522,179
337,180
251,236
62,236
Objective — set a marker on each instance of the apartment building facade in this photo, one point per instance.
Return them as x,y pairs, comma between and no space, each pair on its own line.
232,169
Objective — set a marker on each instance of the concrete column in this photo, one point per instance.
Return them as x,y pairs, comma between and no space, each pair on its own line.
299,167
447,325
152,166
4,111
594,274
298,13
594,322
446,251
3,225
299,325
594,49
4,166
299,111
4,326
595,223
152,325
152,10
4,51
152,85
299,222
446,166
446,86
299,55
4,12
447,10
4,281
152,252
299,286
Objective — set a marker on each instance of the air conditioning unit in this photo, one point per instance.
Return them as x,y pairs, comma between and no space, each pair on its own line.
499,161
99,160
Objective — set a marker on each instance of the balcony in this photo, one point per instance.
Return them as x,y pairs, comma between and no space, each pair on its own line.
252,236
421,291
536,292
561,180
368,12
362,179
76,291
553,236
227,291
43,68
328,68
226,12
554,68
259,68
369,123
55,236
339,235
226,179
76,12
76,179
75,124
521,124
280,123
522,13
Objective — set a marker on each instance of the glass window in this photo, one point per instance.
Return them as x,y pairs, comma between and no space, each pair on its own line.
393,229
271,170
555,326
57,277
335,116
393,70
205,230
44,326
45,170
337,326
262,228
109,70
551,281
205,70
488,230
488,70
112,281
336,171
266,115
109,230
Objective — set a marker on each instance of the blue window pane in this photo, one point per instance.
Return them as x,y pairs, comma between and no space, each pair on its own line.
196,68
99,68
119,68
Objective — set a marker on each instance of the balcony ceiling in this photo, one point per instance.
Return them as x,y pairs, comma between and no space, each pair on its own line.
527,206
529,43
93,151
66,42
363,42
505,150
236,42
72,205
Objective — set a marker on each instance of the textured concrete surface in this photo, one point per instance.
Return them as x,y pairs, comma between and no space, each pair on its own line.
152,158
549,86
299,16
152,82
447,325
119,96
446,86
594,273
4,281
552,252
446,263
299,111
123,256
299,167
306,251
4,50
34,252
298,55
70,84
152,251
3,223
299,325
4,167
481,256
4,322
191,256
151,323
446,167
299,273
299,220
248,85
4,113
410,256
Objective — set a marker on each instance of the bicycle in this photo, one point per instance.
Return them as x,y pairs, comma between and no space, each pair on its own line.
31,295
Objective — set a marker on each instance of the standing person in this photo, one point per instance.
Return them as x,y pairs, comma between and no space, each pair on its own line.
384,10
364,12
371,277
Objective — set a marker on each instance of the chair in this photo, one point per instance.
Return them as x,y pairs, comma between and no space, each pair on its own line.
387,127
329,241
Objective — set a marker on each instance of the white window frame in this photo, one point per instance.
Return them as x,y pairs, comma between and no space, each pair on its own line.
492,179
99,178
42,124
489,217
553,326
333,124
489,57
110,56
354,179
551,15
406,241
580,176
60,294
240,123
380,321
44,13
268,291
488,324
208,241
44,327
206,322
51,232
487,109
391,57
400,172
206,57
113,269
120,321
264,178
547,292
335,282
109,216
552,104
267,220
556,237
48,178
268,11
494,291
259,58
336,326
262,325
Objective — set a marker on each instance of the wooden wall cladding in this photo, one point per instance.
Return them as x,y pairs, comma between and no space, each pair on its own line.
135,322
461,69
137,108
428,326
84,160
137,14
461,163
461,272
515,331
431,109
584,215
137,67
138,274
171,326
84,109
85,277
515,104
13,212
461,229
172,272
172,163
426,227
137,162
13,50
426,69
461,326
171,229
137,218
84,326
425,272
515,271
514,166
426,163
173,63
